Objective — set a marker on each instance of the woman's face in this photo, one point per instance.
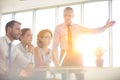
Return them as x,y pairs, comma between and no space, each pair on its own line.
46,39
27,37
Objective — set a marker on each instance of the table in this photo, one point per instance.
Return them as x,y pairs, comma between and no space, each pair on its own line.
91,73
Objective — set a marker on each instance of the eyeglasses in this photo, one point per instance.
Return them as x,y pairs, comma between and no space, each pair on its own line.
46,37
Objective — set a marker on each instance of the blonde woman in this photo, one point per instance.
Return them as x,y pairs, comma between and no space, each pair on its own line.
43,54
25,45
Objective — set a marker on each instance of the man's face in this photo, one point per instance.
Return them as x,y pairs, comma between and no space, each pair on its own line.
15,31
68,15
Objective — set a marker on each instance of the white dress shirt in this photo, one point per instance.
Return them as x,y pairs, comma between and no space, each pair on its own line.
18,60
61,36
27,54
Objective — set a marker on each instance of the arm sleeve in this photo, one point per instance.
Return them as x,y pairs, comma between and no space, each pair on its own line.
56,40
21,60
86,30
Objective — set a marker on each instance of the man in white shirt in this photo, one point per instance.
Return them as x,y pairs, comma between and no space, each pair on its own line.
13,31
61,38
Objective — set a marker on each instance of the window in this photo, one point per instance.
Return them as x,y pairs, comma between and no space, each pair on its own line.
25,18
5,18
95,15
45,19
116,33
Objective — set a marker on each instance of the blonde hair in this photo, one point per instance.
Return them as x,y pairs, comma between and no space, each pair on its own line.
41,35
23,31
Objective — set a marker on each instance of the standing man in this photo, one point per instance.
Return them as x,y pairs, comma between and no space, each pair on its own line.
65,34
10,57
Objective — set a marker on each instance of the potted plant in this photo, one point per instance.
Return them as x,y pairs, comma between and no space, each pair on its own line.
99,52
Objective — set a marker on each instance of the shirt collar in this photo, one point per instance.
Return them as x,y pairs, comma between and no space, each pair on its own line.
8,40
66,25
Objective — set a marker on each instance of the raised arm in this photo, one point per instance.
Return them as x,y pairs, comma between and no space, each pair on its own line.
98,30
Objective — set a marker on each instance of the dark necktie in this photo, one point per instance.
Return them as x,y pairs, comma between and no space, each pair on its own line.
9,56
69,39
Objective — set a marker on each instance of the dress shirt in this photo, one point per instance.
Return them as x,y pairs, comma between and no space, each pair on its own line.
18,60
61,36
27,54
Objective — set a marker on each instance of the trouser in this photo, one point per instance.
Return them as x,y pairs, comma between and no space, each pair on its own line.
73,59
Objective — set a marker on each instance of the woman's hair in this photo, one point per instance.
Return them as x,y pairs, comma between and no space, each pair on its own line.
23,31
41,35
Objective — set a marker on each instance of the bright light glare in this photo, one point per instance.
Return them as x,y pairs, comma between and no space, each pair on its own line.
52,64
85,45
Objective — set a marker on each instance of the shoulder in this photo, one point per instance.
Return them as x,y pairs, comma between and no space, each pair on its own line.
37,50
76,25
18,45
2,40
59,26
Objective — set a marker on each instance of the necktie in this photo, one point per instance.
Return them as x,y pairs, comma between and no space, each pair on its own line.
10,55
67,57
69,39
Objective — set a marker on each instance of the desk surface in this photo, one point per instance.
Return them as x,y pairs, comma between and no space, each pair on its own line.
90,73
76,69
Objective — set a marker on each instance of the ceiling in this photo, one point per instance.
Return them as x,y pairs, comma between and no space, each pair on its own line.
18,5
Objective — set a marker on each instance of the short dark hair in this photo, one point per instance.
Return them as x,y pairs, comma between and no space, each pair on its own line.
68,9
10,24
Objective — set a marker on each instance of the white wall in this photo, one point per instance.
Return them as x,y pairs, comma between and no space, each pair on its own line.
17,5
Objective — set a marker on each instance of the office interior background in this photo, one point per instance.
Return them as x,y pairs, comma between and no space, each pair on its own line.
42,14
